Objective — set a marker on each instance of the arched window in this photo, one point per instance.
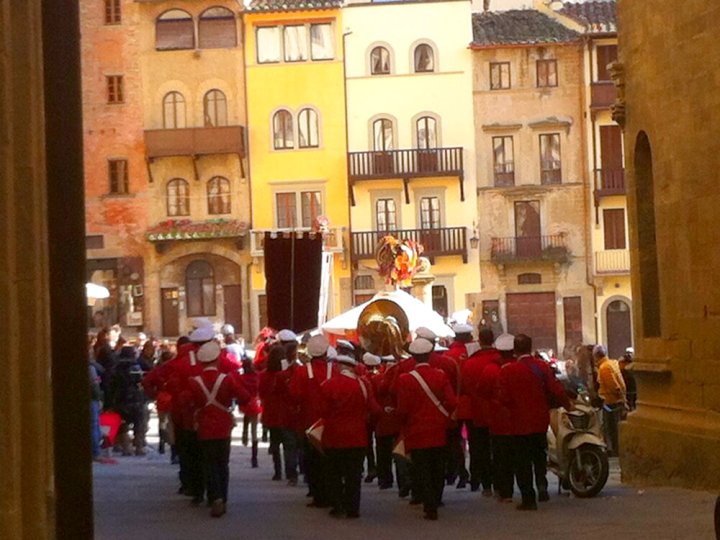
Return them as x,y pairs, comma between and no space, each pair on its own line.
174,30
383,135
424,58
200,289
215,108
308,129
216,29
178,198
283,138
380,61
173,110
426,132
218,195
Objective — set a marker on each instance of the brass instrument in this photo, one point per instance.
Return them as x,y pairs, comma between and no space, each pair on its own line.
383,328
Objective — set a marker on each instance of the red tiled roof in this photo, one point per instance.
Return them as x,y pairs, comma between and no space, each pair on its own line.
518,27
598,16
268,6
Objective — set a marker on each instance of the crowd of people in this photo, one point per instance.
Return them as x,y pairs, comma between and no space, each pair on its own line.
338,414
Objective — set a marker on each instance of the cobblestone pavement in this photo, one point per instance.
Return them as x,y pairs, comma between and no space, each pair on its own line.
136,499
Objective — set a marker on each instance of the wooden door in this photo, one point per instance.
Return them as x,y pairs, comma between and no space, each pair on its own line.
232,304
614,228
533,314
619,329
527,229
611,158
170,312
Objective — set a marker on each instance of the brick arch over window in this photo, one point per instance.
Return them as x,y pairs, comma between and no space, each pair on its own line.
174,30
178,197
200,288
218,195
217,29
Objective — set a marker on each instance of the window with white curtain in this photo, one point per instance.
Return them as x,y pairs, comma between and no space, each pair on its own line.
178,197
379,61
321,40
424,58
268,44
308,129
383,134
215,108
385,215
283,137
173,110
426,131
295,43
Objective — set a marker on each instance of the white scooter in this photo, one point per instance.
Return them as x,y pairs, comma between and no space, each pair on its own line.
577,453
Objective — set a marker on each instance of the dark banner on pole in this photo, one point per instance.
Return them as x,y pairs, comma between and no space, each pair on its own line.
293,267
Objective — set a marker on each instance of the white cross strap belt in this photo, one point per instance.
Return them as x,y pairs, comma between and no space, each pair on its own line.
429,393
362,384
211,396
193,360
311,373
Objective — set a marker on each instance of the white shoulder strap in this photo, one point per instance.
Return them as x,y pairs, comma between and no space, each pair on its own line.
429,392
211,395
329,370
310,373
193,359
363,389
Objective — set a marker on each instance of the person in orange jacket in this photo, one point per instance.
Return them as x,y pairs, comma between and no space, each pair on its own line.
425,403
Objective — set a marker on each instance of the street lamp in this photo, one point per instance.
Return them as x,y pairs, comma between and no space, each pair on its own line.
474,240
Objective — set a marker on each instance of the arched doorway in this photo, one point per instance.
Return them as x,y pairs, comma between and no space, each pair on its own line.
619,328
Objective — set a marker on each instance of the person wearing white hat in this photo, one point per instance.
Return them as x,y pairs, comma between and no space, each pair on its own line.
286,336
212,395
304,389
371,360
425,403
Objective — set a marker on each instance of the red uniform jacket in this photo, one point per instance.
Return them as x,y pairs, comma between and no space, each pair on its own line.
389,423
346,409
458,352
471,372
215,421
305,391
526,395
251,382
275,396
424,426
497,415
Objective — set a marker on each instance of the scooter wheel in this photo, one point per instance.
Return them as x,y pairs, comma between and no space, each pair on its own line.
588,471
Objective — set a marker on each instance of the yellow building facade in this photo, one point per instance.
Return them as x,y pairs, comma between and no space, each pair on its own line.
297,136
411,156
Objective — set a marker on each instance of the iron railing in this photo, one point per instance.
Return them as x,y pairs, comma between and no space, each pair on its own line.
410,163
435,242
530,248
609,182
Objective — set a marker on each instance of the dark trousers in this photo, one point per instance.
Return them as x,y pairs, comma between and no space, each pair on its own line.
215,461
344,467
456,453
611,421
530,455
249,428
370,452
384,460
316,473
503,463
190,457
429,473
481,466
288,440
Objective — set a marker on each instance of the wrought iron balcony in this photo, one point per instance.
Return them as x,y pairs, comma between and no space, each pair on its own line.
612,261
195,141
435,242
529,248
412,163
609,182
332,239
602,94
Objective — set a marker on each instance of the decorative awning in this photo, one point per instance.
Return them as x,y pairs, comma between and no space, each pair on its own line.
186,229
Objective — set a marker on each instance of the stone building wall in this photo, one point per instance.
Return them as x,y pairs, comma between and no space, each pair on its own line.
671,70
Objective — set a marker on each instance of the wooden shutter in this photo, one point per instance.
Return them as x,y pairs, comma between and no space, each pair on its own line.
606,54
614,223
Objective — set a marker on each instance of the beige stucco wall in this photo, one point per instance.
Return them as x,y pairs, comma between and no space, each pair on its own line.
669,69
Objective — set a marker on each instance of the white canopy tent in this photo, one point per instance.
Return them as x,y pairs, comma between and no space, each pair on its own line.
418,313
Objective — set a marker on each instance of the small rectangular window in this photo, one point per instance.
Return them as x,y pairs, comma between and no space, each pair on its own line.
311,207
429,213
118,176
94,241
321,42
385,215
614,228
606,55
268,44
550,164
112,12
295,43
503,161
286,208
547,73
499,75
115,91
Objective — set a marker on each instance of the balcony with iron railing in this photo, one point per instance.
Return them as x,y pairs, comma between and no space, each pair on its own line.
195,141
410,163
609,182
602,94
511,249
332,238
612,261
439,242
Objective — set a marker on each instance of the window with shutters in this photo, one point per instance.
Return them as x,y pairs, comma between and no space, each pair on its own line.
174,110
115,90
174,30
218,195
546,73
550,164
215,109
499,75
178,198
606,55
217,29
200,289
113,15
118,176
614,228
503,161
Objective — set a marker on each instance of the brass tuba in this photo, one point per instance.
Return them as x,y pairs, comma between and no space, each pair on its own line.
383,328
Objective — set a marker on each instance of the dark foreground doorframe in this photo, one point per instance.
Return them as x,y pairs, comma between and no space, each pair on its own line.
66,249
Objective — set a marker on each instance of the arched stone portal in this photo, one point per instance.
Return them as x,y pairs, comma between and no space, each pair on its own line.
618,325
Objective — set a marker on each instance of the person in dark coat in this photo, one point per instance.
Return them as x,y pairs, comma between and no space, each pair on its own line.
126,396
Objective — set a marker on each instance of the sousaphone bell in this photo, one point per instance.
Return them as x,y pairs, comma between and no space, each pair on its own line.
383,328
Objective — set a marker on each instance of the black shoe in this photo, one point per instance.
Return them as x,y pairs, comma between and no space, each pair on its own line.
197,500
415,502
316,504
526,506
403,492
277,477
385,485
336,513
352,515
370,478
450,479
254,463
431,515
462,484
474,486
